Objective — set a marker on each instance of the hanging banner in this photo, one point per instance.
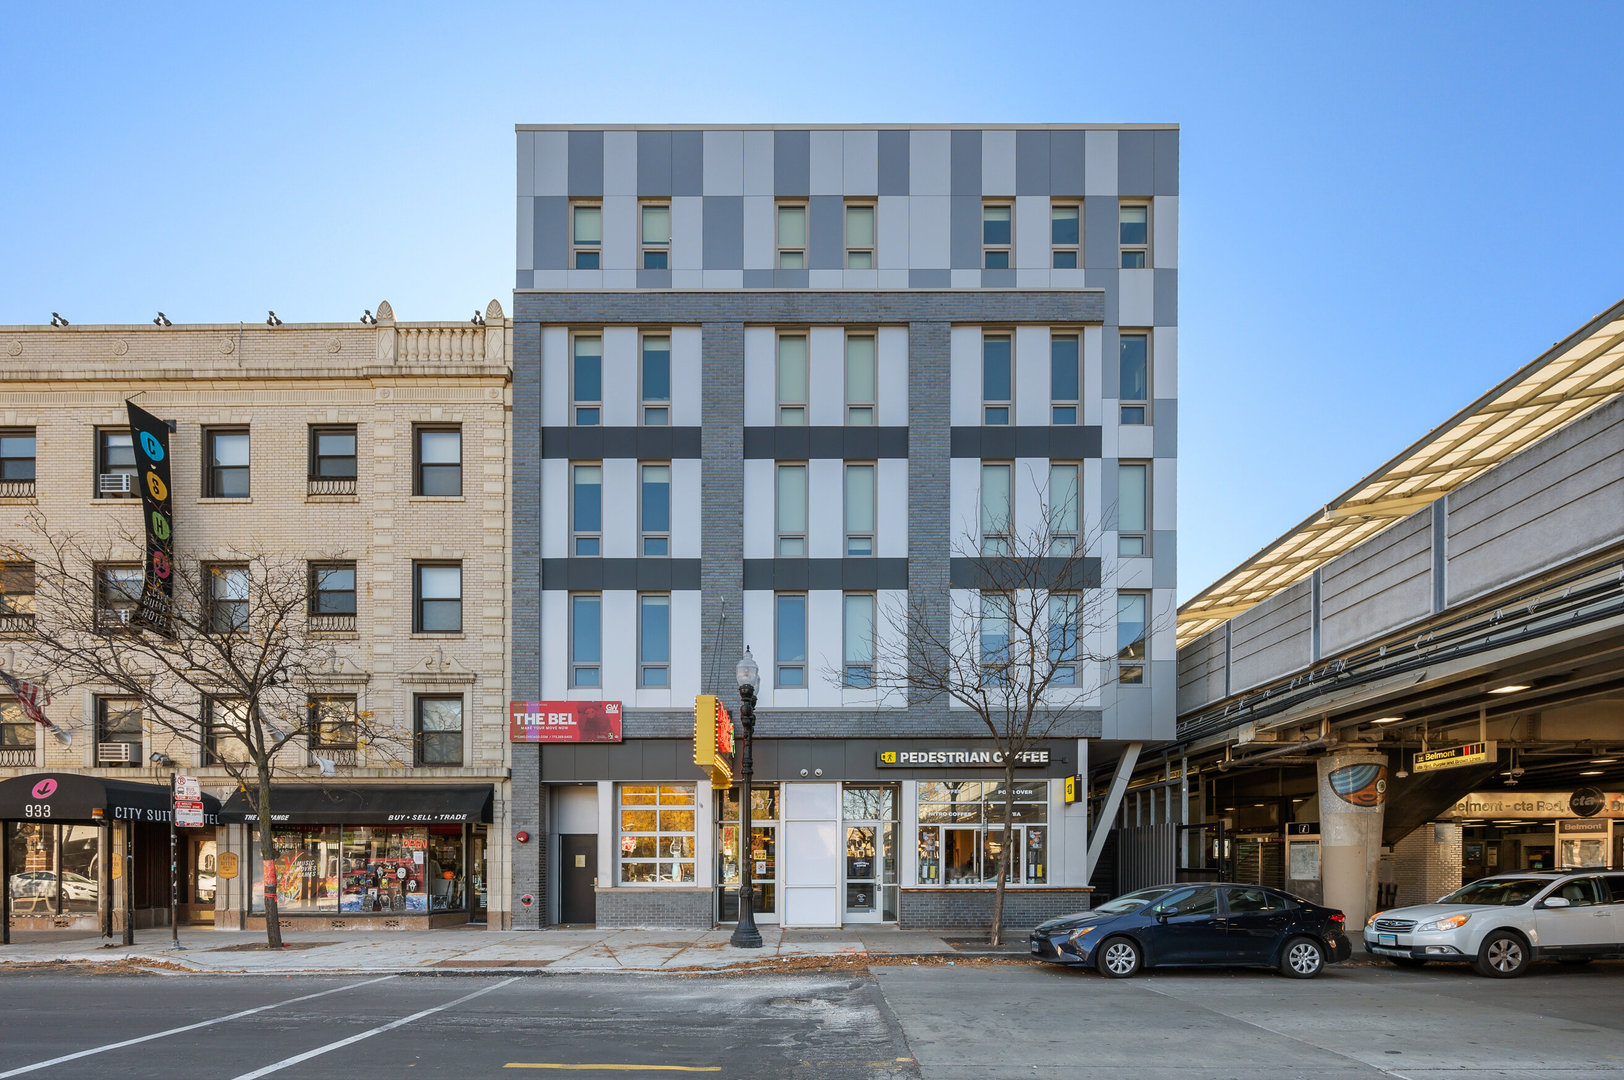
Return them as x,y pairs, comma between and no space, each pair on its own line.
1453,757
151,438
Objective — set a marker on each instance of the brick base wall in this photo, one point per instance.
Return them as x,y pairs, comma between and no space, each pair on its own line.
1426,864
971,909
670,909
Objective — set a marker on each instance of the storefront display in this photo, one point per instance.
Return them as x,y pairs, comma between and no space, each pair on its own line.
763,853
961,829
411,869
656,823
53,868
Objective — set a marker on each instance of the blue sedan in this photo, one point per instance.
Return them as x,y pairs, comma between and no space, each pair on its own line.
1220,924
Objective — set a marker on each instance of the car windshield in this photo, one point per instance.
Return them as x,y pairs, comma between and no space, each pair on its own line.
1132,901
1501,892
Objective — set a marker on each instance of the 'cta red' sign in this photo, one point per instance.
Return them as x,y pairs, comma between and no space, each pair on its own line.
563,721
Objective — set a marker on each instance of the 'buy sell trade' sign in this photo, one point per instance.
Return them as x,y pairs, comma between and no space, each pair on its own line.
563,721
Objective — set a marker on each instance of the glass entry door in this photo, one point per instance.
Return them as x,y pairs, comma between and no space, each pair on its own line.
870,818
763,854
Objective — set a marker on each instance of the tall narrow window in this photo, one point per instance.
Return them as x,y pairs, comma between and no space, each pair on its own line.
439,461
586,236
995,508
1064,488
1133,510
860,509
656,236
791,511
860,380
118,590
1065,235
1134,369
332,596
654,510
859,237
997,235
225,736
228,597
995,651
333,725
118,732
16,596
653,641
1131,653
1065,379
586,640
997,379
859,640
587,376
792,380
1064,649
656,380
586,509
789,652
332,460
226,451
438,730
1133,235
115,464
16,462
17,737
437,590
791,236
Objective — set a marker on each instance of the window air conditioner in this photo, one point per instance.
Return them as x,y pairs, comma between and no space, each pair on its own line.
113,753
114,483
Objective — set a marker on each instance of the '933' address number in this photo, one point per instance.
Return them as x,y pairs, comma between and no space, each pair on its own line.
37,810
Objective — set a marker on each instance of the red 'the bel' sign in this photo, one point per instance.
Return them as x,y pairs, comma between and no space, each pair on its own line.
564,721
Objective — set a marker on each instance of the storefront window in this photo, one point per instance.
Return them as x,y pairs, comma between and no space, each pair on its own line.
763,852
656,834
365,869
961,832
53,868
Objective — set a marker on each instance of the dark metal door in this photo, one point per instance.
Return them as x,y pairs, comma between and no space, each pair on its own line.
578,878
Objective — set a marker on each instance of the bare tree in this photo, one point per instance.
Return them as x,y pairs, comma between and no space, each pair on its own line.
243,679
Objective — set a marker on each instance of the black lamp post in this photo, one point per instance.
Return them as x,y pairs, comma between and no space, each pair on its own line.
745,934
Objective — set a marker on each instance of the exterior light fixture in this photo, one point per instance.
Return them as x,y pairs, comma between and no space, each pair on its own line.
1387,719
1511,688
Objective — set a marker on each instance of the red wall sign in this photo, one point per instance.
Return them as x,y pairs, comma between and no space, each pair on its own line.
563,721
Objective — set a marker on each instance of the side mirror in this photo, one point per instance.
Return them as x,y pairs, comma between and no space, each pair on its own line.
1557,902
1165,913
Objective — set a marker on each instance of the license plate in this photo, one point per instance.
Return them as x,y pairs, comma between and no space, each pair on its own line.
1035,946
1387,939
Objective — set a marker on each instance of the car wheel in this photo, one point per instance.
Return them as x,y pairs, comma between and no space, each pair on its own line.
1407,961
1503,955
1120,957
1302,958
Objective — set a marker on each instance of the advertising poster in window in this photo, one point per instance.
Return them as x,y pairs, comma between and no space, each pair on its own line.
151,439
563,721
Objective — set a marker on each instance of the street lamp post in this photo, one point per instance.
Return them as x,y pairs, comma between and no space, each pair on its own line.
745,934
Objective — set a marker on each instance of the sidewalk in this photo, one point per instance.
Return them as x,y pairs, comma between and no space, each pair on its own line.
460,951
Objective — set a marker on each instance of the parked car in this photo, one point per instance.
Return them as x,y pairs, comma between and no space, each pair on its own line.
1219,924
1501,924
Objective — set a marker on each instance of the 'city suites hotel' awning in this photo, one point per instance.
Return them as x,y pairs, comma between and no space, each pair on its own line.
372,804
69,797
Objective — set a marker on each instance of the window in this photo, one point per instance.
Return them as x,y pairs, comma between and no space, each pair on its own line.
225,731
1133,235
1131,637
586,509
437,591
16,596
1249,900
655,233
588,380
226,451
860,380
438,730
1133,493
961,824
118,732
1065,379
586,640
115,464
118,591
792,380
656,834
1134,368
995,508
995,651
860,509
332,461
1202,901
332,596
16,734
16,462
997,379
1065,484
333,724
656,376
791,236
439,461
228,597
789,655
791,511
654,641
997,236
859,640
1065,235
1064,628
586,236
655,509
859,237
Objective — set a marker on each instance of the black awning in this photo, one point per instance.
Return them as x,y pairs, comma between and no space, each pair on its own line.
367,804
71,797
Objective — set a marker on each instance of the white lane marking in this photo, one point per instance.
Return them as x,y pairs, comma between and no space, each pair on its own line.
189,1027
277,1066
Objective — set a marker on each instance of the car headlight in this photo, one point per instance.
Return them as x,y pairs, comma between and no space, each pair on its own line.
1449,923
1371,919
1079,932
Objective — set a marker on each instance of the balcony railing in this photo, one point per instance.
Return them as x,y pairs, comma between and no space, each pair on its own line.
16,623
332,624
346,756
16,489
332,486
15,756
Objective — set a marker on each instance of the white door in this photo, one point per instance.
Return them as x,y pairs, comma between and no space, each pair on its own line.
811,855
1586,921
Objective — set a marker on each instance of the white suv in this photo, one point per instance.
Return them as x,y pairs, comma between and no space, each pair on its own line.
1506,922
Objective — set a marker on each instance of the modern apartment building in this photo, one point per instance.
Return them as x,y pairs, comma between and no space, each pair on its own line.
769,384
374,454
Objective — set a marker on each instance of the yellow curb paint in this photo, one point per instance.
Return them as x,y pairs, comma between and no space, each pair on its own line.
613,1068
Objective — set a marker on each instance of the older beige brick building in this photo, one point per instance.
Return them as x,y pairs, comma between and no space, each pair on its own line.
379,453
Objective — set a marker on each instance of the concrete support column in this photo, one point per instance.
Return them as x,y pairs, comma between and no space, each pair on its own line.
1352,798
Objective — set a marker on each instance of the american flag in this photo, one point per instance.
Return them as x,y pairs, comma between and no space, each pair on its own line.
31,696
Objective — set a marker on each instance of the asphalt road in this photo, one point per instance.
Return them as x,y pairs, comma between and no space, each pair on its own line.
939,1023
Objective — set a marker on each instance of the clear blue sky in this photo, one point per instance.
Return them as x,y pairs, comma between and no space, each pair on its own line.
1386,208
